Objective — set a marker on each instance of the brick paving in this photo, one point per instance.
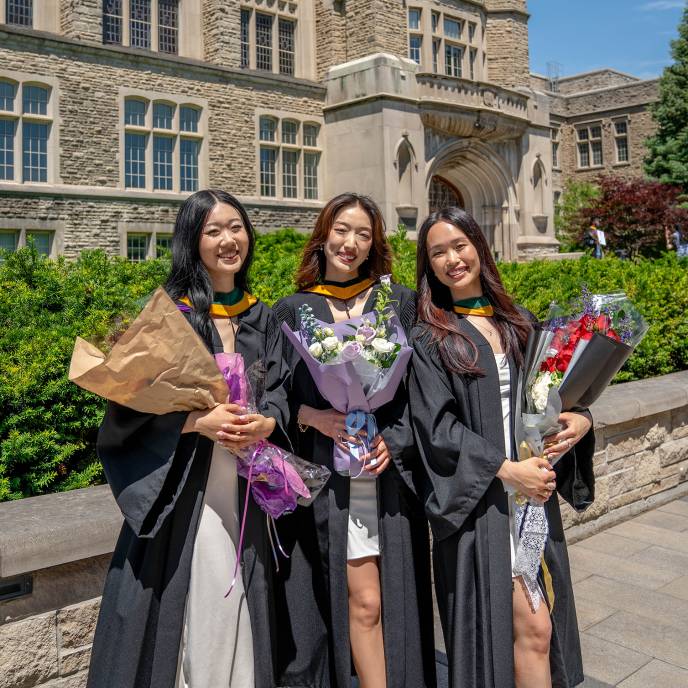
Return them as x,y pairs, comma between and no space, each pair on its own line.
631,588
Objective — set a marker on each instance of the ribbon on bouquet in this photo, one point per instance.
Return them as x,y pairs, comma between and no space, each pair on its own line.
256,451
356,421
533,530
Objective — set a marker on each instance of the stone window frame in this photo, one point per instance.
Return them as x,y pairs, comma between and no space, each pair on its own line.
434,41
617,137
588,141
51,118
301,13
22,227
152,231
177,101
415,33
556,147
46,16
5,9
278,146
184,9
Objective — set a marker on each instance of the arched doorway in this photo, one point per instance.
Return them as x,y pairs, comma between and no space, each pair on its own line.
443,194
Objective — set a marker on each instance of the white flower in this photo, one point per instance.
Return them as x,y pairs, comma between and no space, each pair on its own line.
386,279
328,332
540,391
382,346
316,349
330,343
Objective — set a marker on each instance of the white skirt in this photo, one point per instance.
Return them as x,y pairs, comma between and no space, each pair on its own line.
217,643
363,538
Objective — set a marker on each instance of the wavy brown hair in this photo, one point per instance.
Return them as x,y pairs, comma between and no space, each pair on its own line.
379,261
458,352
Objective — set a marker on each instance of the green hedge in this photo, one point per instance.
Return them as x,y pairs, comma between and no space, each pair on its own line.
48,425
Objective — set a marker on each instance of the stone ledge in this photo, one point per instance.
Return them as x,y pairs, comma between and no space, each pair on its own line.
630,400
50,530
53,529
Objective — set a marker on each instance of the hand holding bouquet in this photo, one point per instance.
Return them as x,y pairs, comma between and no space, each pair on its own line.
357,366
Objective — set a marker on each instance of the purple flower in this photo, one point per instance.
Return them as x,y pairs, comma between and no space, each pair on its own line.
367,332
351,351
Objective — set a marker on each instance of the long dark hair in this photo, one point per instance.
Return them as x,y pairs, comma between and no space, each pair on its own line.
435,306
188,276
379,261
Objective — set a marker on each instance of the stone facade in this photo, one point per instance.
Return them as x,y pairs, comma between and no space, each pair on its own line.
472,126
600,98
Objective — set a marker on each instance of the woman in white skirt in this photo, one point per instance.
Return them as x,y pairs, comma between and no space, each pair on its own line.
361,554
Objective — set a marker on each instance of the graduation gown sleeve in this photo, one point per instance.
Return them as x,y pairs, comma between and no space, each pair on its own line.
143,463
460,464
277,381
575,477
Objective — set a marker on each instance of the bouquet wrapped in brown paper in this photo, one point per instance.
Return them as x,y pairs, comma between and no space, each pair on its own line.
159,365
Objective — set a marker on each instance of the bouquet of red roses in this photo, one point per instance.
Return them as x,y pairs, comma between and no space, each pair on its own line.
569,362
578,355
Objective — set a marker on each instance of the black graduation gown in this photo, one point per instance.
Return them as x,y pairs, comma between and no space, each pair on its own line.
459,428
312,607
158,477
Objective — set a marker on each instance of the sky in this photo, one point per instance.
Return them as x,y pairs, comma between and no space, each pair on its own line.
582,35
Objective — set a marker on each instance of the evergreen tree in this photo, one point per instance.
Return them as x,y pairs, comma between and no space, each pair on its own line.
667,160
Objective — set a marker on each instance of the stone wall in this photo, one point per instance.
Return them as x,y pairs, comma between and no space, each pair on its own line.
641,456
330,35
375,26
222,32
641,461
640,127
88,223
89,199
507,49
82,19
603,78
639,93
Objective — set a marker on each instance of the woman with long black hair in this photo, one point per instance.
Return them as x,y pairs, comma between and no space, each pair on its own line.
357,584
165,619
468,346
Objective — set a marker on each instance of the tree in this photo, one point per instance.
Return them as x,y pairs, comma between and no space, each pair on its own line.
634,214
667,159
577,196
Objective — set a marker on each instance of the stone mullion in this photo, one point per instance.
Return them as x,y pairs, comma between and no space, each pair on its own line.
126,23
154,18
426,45
252,40
275,44
176,151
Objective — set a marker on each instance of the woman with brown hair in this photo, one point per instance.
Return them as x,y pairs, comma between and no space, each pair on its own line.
356,585
468,346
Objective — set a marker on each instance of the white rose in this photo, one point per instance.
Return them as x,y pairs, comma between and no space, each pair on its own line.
330,343
382,346
540,391
328,332
315,349
386,279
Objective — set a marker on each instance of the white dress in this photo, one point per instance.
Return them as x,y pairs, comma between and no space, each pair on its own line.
505,394
217,644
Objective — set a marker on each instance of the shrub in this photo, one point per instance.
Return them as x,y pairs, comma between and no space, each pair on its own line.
48,426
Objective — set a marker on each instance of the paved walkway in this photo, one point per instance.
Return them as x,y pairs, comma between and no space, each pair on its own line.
631,588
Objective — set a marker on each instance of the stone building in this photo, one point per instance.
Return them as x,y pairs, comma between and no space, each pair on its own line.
112,111
600,122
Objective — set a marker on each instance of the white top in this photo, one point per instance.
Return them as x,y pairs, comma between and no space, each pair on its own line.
505,394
